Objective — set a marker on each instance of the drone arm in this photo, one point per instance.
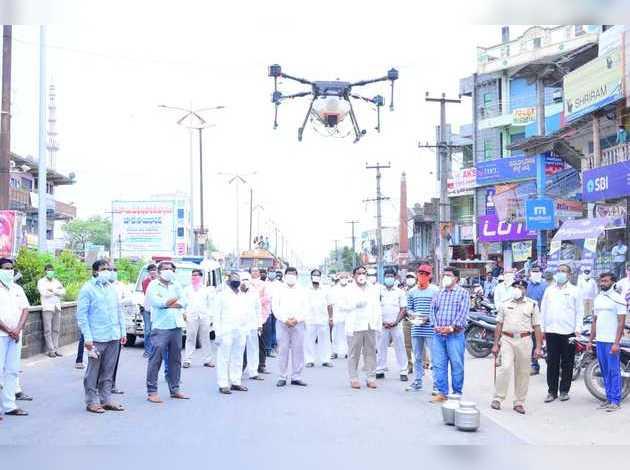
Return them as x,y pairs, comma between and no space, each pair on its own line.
367,82
362,98
376,101
297,79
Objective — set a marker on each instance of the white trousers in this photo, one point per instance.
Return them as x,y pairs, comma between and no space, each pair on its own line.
199,328
230,359
339,339
397,337
10,353
290,344
252,353
317,347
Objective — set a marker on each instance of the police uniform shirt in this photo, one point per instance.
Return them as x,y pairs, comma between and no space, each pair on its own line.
519,316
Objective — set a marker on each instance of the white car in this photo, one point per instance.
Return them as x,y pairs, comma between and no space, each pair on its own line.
212,275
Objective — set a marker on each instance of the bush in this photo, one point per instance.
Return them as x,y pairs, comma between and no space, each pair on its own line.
128,270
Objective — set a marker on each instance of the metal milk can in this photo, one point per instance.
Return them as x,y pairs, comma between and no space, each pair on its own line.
467,416
449,407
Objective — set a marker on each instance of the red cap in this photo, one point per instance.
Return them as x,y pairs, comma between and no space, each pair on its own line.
427,268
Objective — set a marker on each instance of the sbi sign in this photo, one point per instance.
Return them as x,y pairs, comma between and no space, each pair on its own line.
606,182
597,184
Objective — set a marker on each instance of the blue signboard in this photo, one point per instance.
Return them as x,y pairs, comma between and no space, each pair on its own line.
540,214
607,182
505,169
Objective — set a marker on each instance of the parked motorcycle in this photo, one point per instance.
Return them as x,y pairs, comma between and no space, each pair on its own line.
593,375
480,333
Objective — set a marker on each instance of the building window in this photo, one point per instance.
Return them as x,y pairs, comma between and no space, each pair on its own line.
487,100
180,213
180,231
27,184
487,150
537,43
579,29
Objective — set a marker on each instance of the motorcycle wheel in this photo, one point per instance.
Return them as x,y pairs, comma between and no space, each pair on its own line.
595,384
474,348
577,366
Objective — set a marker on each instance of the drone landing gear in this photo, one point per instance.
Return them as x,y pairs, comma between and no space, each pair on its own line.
308,113
358,133
300,132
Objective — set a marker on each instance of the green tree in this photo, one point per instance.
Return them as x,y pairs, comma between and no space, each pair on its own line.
346,262
96,230
128,269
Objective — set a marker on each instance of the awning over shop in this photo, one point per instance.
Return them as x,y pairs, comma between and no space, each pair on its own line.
579,229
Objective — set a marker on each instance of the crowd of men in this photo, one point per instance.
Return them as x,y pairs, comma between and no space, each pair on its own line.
257,315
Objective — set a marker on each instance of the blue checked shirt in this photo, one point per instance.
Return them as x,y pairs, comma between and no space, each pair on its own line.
99,316
450,307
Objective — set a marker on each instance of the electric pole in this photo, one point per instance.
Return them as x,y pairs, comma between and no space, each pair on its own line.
42,167
379,222
337,255
251,214
444,213
5,118
354,251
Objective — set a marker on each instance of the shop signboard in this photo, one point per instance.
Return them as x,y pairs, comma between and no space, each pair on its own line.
490,208
463,182
521,251
616,213
594,85
509,200
491,229
540,214
606,182
568,209
523,116
505,170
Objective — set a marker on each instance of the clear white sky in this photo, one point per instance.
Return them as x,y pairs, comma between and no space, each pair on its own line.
110,79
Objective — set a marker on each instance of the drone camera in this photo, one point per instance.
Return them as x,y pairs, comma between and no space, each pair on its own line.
332,119
276,96
275,70
378,100
392,74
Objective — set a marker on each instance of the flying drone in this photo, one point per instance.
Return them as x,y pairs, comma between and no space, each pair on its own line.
331,101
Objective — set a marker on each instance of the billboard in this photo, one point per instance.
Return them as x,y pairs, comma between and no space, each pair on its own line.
593,85
463,182
143,228
606,182
11,233
491,229
505,170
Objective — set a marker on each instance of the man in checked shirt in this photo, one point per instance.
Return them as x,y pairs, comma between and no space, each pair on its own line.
450,312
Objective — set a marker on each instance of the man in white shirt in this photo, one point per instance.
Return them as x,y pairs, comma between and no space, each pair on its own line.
319,317
51,292
618,254
13,314
253,328
341,309
198,319
588,289
562,315
230,324
394,309
623,285
608,322
126,305
363,322
503,290
289,306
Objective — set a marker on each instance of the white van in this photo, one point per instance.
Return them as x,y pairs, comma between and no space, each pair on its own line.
212,274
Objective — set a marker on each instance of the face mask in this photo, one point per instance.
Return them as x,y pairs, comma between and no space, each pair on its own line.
291,279
560,277
361,279
315,279
103,277
372,279
167,275
272,276
50,274
389,281
6,277
517,294
410,281
536,277
244,285
343,282
263,277
447,281
113,276
196,281
234,283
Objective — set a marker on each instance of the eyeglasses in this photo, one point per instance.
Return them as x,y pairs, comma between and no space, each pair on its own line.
423,273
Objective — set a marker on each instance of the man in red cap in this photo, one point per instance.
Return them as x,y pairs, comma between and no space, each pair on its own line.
419,299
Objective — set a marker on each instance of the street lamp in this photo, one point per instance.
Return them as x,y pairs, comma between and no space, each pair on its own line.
192,115
239,178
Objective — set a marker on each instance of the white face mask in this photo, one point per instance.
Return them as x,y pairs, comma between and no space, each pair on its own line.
517,294
361,278
410,282
290,279
372,279
343,282
536,277
167,275
447,281
316,279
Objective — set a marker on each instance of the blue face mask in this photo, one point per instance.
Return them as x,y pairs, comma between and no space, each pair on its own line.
6,277
388,281
103,277
560,277
113,276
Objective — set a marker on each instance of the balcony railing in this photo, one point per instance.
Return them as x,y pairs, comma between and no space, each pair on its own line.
610,156
19,198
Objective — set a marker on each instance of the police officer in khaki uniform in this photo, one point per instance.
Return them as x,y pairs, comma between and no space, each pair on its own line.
512,348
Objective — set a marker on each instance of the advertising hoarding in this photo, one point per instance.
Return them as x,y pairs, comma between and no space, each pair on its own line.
593,85
145,228
11,232
606,182
491,229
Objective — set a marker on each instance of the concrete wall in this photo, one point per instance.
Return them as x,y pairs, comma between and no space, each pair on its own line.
33,335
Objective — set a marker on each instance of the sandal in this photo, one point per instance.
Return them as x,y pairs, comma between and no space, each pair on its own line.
17,412
154,399
98,409
113,407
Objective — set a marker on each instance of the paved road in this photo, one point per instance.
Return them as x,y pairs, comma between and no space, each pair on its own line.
326,414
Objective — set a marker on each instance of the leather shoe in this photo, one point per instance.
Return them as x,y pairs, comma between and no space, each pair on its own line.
23,397
309,364
301,383
550,398
496,405
327,364
58,354
564,396
51,354
256,377
519,409
117,392
238,388
380,375
263,371
281,383
403,378
225,391
208,364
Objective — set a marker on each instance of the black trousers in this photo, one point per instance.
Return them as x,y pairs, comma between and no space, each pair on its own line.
262,355
560,360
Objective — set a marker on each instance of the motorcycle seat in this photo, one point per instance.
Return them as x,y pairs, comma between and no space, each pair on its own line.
625,342
488,319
